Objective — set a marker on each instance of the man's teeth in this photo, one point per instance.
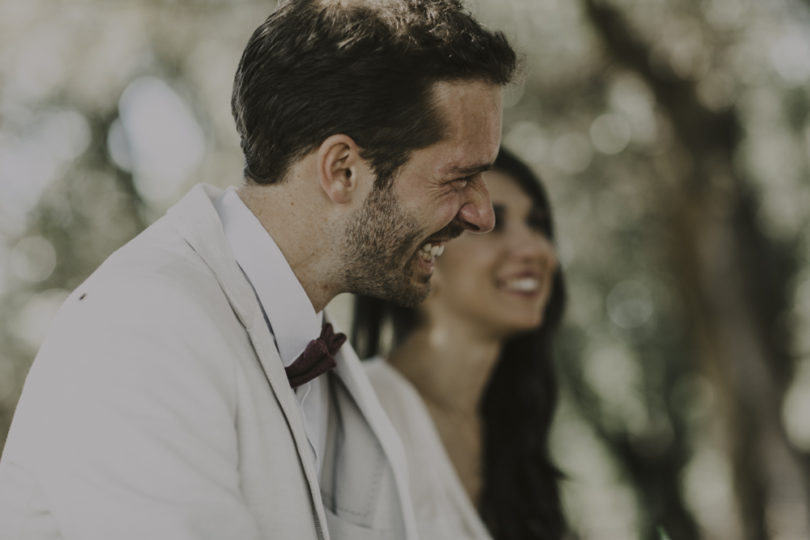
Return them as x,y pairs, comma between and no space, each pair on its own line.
431,250
527,284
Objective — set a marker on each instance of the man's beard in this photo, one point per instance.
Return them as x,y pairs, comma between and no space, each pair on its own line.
380,251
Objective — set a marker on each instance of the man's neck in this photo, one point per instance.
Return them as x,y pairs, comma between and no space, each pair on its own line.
298,226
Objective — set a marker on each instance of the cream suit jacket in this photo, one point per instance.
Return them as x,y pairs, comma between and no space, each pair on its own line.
158,408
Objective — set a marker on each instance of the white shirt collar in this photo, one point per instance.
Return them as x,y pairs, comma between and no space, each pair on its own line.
293,321
292,318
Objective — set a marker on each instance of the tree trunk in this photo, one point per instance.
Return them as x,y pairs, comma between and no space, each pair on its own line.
735,281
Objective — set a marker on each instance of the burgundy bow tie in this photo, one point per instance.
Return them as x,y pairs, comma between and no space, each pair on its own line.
317,358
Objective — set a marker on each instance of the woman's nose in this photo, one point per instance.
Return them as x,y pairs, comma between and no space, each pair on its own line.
529,243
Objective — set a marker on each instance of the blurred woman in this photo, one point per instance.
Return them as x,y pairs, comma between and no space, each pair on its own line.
470,384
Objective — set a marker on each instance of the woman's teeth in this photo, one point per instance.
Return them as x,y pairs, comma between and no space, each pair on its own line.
431,251
527,284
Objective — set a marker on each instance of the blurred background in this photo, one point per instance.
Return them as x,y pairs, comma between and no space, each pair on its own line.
674,136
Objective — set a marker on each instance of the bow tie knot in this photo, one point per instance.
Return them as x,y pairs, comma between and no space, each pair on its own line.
317,358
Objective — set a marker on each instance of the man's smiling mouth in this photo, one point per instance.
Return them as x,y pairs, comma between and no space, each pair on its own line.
430,251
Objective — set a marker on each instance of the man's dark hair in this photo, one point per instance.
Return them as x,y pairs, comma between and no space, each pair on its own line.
364,68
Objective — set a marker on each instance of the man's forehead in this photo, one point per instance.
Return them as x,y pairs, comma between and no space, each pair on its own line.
466,156
462,158
470,111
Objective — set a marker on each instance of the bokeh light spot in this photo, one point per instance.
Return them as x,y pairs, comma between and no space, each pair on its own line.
630,304
610,133
36,316
166,142
572,153
33,259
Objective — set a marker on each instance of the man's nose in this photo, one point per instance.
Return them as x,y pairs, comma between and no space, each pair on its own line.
476,212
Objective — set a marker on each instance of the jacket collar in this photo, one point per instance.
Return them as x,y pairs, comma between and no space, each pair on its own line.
196,220
351,372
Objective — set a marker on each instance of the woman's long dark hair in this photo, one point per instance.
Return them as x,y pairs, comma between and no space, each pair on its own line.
520,496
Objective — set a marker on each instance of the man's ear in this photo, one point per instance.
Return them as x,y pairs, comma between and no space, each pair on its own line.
342,172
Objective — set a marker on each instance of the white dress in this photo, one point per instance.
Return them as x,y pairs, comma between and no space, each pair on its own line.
442,507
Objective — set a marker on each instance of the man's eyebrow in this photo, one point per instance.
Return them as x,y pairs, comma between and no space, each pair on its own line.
470,170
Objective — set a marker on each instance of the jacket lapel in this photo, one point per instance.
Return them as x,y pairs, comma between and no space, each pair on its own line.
353,376
197,221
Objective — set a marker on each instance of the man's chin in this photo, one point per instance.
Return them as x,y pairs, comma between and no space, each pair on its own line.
408,287
410,295
417,296
418,290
